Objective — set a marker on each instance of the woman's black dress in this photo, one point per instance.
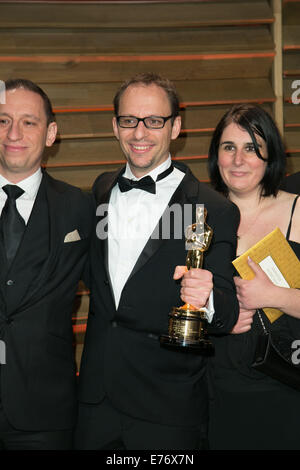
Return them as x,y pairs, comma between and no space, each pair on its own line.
249,410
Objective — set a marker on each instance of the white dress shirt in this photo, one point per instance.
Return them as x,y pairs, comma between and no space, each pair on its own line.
133,215
25,202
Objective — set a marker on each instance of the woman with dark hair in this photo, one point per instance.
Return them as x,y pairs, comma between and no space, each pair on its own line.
250,410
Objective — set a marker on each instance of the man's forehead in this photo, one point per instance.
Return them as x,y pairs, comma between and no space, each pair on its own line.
144,94
21,92
147,89
23,102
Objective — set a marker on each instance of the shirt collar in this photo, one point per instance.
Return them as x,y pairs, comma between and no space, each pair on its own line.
153,173
30,185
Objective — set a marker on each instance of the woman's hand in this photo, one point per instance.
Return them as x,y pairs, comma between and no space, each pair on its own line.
260,292
244,322
257,292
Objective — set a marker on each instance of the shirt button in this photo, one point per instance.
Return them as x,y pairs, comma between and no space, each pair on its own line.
10,282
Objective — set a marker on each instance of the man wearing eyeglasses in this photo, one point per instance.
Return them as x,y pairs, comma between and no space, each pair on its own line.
134,393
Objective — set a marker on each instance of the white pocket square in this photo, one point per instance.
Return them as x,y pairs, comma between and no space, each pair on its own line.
72,237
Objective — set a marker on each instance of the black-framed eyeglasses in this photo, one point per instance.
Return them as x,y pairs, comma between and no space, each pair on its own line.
151,122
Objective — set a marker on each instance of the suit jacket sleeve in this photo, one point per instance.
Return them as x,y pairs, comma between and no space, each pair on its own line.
224,221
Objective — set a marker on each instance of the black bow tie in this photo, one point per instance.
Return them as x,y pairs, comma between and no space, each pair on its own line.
146,183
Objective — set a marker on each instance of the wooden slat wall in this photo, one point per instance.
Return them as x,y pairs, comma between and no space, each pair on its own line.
291,81
217,52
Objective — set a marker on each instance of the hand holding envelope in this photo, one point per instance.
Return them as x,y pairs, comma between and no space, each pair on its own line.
256,292
277,259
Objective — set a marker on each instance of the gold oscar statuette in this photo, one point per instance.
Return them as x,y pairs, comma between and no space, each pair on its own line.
187,324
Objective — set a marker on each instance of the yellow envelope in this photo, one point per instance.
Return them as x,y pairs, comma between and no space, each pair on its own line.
275,256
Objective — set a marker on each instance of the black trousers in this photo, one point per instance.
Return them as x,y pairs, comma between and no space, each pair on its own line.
102,427
14,439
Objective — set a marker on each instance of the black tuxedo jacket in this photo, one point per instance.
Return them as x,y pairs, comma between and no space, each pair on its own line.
122,356
37,294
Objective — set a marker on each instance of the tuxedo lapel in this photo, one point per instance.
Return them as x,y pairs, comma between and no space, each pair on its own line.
102,196
57,213
27,252
185,193
3,270
52,198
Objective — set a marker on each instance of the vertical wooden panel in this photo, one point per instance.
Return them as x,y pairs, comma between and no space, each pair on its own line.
277,67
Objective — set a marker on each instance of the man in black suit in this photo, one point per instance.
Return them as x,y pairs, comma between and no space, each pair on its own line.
45,228
291,183
134,393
